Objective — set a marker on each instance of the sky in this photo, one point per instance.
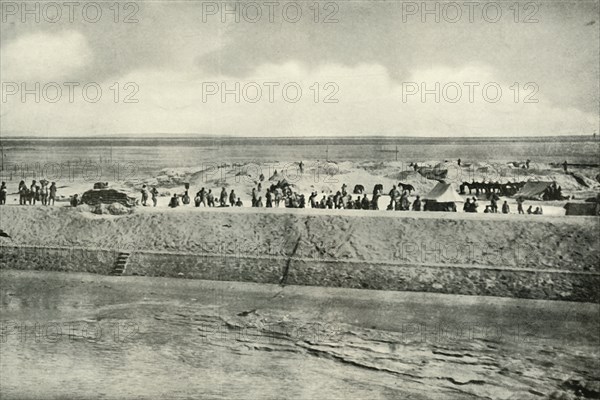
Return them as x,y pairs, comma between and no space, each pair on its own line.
300,69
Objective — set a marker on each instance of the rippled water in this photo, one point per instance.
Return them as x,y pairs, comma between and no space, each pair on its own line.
164,153
191,339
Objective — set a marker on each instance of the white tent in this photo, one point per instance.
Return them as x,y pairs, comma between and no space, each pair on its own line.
443,193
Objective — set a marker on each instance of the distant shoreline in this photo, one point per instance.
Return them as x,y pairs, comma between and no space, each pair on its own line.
307,141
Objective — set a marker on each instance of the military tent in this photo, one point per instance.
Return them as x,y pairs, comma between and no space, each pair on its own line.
533,190
443,193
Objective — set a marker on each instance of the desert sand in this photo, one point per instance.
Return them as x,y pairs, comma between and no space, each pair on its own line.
325,177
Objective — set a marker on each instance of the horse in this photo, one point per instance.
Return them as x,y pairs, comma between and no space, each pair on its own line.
406,186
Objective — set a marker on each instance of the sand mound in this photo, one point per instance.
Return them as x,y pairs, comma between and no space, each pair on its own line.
111,209
421,184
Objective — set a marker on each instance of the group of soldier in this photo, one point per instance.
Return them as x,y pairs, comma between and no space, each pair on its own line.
553,192
281,193
43,192
344,200
203,197
146,193
277,194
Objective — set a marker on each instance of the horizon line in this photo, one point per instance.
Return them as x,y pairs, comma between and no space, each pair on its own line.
170,136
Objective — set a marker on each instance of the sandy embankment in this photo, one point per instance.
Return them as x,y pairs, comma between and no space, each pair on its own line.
515,256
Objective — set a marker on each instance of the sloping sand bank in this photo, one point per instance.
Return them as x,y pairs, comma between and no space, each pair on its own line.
522,256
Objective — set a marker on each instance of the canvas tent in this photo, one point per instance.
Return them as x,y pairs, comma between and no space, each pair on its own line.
443,193
533,190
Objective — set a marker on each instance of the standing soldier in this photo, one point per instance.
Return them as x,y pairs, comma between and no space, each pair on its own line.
44,192
254,197
185,199
210,198
22,193
144,195
202,195
269,197
223,197
417,204
33,192
174,201
394,193
52,193
312,201
366,204
474,205
520,205
3,193
154,194
375,200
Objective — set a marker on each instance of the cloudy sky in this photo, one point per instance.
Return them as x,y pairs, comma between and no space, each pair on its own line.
360,74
